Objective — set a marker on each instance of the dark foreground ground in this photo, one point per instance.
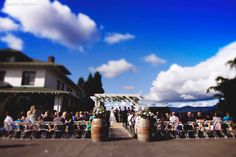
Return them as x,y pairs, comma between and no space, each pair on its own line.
122,148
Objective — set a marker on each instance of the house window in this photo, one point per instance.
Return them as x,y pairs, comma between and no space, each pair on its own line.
62,86
2,75
28,78
58,85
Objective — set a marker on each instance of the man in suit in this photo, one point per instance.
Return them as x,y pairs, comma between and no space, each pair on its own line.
119,115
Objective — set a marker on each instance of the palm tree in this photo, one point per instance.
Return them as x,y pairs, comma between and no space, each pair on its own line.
226,89
232,63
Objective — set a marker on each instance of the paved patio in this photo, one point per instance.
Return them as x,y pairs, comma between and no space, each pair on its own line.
118,148
120,145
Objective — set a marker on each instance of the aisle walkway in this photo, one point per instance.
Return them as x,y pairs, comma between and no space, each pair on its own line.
118,132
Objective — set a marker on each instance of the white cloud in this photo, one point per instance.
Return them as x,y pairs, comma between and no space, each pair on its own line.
190,83
52,20
154,60
114,68
128,87
6,24
13,41
204,103
114,38
187,97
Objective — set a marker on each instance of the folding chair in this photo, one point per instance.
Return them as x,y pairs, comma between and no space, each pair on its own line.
171,130
180,133
209,129
200,129
189,130
28,131
218,131
85,129
58,130
69,130
227,129
17,129
41,131
77,130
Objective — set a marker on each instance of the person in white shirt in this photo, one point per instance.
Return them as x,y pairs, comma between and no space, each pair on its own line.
174,120
217,120
131,120
137,121
8,123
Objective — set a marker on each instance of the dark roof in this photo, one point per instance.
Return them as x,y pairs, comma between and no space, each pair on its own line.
16,58
8,55
61,68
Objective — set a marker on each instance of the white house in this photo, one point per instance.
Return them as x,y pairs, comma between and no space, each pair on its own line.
45,82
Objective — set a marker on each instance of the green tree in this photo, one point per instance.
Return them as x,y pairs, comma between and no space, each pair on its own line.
90,85
88,88
80,85
80,82
98,83
232,63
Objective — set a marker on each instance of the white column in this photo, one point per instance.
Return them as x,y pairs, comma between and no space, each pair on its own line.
58,100
136,105
96,101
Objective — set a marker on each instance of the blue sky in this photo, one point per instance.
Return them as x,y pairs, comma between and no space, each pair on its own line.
179,32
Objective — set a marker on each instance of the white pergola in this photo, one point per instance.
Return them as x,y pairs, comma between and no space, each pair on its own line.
132,98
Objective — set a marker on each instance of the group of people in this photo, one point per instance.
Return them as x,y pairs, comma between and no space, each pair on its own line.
127,115
34,115
196,120
119,114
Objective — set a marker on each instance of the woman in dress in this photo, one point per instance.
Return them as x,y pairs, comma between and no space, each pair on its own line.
112,116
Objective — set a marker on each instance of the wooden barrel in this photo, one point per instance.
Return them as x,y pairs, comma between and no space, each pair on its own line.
143,130
98,132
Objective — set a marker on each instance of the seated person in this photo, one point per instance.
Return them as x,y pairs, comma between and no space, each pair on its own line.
208,117
76,117
69,122
227,118
199,117
227,123
81,116
58,118
89,125
167,116
174,120
189,118
217,120
19,119
200,120
28,118
46,117
18,122
8,123
157,116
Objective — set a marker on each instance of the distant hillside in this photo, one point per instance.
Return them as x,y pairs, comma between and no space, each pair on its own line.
192,109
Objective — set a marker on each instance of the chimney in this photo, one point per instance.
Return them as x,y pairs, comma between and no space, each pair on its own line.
51,59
